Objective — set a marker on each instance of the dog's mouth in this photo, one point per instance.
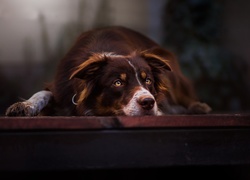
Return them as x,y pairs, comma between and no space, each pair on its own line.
148,113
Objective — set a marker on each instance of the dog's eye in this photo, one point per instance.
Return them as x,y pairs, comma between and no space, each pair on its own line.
148,81
117,83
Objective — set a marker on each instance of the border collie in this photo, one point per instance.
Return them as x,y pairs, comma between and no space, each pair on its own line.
114,71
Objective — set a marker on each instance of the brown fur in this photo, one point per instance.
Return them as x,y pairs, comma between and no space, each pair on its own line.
84,70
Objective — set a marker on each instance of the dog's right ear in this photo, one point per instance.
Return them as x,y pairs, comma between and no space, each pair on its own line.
89,67
157,58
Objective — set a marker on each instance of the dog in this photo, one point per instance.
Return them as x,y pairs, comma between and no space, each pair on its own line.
114,71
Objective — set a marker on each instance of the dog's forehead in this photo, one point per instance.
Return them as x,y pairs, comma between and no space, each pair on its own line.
138,62
128,63
117,67
118,62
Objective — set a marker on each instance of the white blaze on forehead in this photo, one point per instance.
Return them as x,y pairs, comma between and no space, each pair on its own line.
110,54
134,109
136,74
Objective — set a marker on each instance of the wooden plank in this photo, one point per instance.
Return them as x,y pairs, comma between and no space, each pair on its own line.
123,149
80,144
81,123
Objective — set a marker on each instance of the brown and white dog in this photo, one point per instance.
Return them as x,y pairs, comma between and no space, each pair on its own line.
114,71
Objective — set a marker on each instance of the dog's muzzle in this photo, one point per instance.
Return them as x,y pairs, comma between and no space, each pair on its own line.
142,103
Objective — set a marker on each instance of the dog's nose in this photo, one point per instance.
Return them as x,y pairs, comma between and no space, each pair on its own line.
146,103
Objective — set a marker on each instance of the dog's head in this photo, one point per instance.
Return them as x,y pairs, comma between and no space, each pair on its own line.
110,84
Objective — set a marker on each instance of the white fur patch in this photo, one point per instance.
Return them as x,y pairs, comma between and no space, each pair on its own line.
136,74
133,108
110,54
37,102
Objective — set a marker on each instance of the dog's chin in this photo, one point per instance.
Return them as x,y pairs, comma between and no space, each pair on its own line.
142,112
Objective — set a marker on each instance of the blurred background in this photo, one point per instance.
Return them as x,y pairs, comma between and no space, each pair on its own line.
210,38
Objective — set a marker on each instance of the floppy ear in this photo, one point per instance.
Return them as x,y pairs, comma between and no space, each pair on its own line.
157,59
88,68
87,71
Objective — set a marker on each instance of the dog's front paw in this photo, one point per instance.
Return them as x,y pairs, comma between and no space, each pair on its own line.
20,109
199,108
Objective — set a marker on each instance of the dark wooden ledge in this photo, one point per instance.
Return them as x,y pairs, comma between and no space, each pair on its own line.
124,122
65,145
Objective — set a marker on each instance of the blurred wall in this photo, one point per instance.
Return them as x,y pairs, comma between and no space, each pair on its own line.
211,40
36,34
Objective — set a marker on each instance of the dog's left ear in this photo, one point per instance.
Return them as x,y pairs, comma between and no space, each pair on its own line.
157,58
88,68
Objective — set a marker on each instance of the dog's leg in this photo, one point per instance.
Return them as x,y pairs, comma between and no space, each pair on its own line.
30,107
197,107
